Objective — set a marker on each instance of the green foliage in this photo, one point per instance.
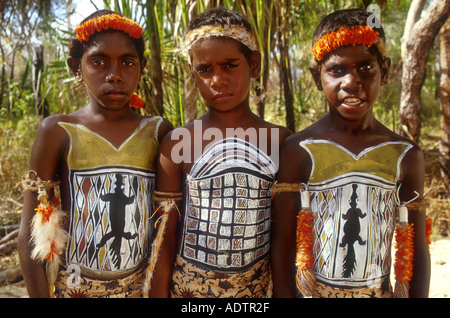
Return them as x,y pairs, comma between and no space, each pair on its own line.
16,139
170,17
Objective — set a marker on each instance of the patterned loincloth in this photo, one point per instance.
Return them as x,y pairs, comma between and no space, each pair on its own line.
381,290
126,287
190,281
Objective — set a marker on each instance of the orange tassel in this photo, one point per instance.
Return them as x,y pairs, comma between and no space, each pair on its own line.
136,101
429,230
305,239
46,211
54,253
404,256
305,278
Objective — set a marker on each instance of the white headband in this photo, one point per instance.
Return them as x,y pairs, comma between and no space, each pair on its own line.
236,32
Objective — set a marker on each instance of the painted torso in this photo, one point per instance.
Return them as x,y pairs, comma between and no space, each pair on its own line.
228,207
111,191
353,198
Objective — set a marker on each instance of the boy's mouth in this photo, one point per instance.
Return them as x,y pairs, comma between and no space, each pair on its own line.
116,94
220,98
352,101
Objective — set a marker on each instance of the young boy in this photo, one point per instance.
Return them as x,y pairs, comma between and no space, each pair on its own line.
103,157
225,163
353,167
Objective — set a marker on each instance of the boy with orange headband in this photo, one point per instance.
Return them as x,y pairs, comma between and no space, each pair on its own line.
353,174
221,167
98,164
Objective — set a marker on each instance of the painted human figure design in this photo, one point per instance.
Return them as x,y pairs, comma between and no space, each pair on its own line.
118,200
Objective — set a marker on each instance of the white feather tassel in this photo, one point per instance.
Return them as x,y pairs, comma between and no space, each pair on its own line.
48,234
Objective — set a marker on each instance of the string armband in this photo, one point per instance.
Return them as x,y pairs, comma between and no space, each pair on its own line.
166,202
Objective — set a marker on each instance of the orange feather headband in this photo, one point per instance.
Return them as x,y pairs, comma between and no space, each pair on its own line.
105,22
115,22
360,35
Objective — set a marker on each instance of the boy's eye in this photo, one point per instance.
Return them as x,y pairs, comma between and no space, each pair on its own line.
129,62
230,65
366,68
335,70
203,69
98,62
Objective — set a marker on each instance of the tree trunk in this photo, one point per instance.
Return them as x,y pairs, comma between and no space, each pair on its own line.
413,16
417,47
444,90
287,86
156,77
38,64
2,76
285,69
190,89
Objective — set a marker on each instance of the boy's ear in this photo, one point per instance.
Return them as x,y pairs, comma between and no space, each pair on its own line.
75,67
315,72
255,64
385,67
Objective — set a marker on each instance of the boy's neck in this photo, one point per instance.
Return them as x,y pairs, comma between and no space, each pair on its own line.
238,117
106,115
365,124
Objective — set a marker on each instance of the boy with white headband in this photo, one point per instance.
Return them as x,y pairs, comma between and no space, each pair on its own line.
352,173
223,245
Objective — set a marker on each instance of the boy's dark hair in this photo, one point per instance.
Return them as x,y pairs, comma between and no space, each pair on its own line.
77,48
222,16
351,18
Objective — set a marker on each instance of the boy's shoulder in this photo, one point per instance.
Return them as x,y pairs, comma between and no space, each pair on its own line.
52,122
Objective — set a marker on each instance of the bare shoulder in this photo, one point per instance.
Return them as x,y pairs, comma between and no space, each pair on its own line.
180,137
164,127
415,149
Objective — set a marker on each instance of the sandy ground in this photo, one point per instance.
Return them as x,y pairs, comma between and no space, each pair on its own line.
440,269
440,274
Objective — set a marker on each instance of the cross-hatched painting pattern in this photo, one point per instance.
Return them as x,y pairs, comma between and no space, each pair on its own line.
227,224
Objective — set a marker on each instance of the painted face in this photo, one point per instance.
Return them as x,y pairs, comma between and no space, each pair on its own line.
351,79
222,73
110,69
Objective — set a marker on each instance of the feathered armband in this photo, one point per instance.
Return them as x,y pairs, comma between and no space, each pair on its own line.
48,233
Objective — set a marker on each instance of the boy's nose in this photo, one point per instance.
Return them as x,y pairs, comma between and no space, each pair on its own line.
351,82
114,75
218,80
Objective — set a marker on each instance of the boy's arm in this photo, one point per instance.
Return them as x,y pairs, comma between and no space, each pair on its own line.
45,159
413,181
284,220
168,179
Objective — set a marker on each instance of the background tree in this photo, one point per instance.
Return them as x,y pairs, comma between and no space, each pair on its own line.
421,38
444,91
